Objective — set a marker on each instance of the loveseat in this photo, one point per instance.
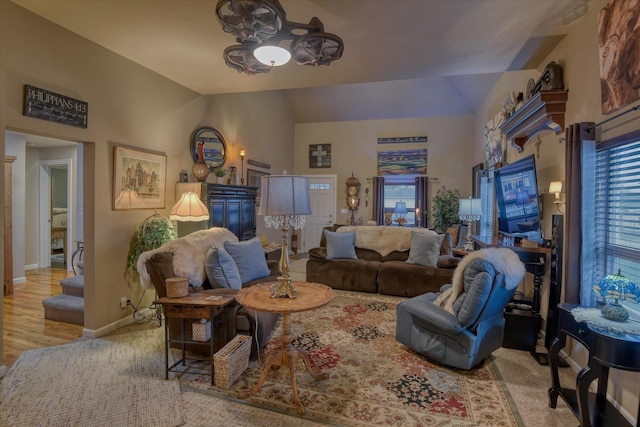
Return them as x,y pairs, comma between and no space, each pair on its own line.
381,260
206,258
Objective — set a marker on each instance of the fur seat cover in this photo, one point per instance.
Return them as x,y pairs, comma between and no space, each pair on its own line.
504,260
383,239
188,255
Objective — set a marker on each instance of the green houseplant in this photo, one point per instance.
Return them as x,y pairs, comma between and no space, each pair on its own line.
152,233
444,210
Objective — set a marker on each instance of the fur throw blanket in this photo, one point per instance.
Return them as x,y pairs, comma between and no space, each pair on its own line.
188,254
383,239
504,260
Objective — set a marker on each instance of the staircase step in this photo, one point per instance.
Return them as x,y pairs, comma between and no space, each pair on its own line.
64,308
73,286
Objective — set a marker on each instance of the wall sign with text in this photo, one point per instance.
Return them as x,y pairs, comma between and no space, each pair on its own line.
403,140
51,106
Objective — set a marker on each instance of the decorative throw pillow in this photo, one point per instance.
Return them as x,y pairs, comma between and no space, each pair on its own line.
447,246
250,259
221,269
425,249
454,230
340,245
462,238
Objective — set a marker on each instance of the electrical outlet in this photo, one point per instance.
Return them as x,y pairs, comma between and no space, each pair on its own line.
124,302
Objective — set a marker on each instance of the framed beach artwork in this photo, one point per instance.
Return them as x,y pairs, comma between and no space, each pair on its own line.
141,175
402,162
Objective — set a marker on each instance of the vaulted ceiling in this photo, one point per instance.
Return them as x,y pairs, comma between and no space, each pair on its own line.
402,58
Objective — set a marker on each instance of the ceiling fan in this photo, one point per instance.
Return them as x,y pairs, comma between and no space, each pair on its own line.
267,39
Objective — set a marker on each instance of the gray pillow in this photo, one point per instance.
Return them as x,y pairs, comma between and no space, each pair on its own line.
221,269
425,249
249,257
340,245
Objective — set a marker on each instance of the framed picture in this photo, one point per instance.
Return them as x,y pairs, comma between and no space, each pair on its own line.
254,180
402,162
320,156
139,179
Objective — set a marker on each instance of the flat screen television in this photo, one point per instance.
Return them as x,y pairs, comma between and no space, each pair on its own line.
517,199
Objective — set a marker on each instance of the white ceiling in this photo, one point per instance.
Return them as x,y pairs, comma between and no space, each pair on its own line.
402,58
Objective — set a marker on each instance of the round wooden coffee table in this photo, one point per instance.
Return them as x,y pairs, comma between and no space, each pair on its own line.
308,297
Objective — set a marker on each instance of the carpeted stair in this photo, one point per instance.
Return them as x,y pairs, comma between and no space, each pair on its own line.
68,307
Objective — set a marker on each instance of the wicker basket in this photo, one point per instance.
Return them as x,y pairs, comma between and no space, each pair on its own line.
177,287
231,361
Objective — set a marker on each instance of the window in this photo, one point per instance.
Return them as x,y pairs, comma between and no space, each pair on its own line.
400,190
488,196
617,209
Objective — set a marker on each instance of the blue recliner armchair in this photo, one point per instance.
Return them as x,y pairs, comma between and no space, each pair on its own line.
474,329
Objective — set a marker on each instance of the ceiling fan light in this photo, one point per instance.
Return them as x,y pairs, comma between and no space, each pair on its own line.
272,55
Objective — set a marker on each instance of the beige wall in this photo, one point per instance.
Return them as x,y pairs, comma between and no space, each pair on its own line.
131,106
263,124
354,149
578,55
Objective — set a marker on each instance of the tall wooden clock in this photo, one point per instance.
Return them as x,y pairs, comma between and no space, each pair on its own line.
353,196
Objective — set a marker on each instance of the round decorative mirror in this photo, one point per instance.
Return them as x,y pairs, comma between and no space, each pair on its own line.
211,142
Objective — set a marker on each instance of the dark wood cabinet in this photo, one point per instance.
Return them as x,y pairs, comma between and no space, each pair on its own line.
232,207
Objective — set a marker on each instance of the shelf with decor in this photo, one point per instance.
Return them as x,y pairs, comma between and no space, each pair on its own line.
543,111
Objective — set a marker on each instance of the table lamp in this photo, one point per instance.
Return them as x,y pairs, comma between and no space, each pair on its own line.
616,287
284,203
469,210
400,213
189,209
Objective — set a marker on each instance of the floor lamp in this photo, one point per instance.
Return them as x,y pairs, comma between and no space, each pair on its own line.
284,203
469,210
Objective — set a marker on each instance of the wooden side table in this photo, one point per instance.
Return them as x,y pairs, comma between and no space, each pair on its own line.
308,297
193,306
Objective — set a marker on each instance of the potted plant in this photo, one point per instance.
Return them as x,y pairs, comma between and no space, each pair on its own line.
150,234
444,210
219,173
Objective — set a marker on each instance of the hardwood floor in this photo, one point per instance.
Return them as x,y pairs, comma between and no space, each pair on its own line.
24,324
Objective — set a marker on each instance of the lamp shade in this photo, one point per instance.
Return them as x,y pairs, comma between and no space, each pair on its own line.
284,195
401,208
470,209
189,208
617,286
129,199
555,187
272,55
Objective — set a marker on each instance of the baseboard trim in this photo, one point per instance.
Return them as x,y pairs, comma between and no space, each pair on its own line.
19,280
97,333
31,266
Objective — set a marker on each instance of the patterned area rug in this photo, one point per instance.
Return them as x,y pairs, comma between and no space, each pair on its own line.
112,381
374,380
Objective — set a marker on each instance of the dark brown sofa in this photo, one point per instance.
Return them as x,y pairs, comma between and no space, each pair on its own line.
373,272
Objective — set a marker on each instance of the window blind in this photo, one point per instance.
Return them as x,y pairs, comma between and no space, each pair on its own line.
617,210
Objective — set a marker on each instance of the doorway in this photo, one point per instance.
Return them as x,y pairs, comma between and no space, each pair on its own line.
322,195
55,216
